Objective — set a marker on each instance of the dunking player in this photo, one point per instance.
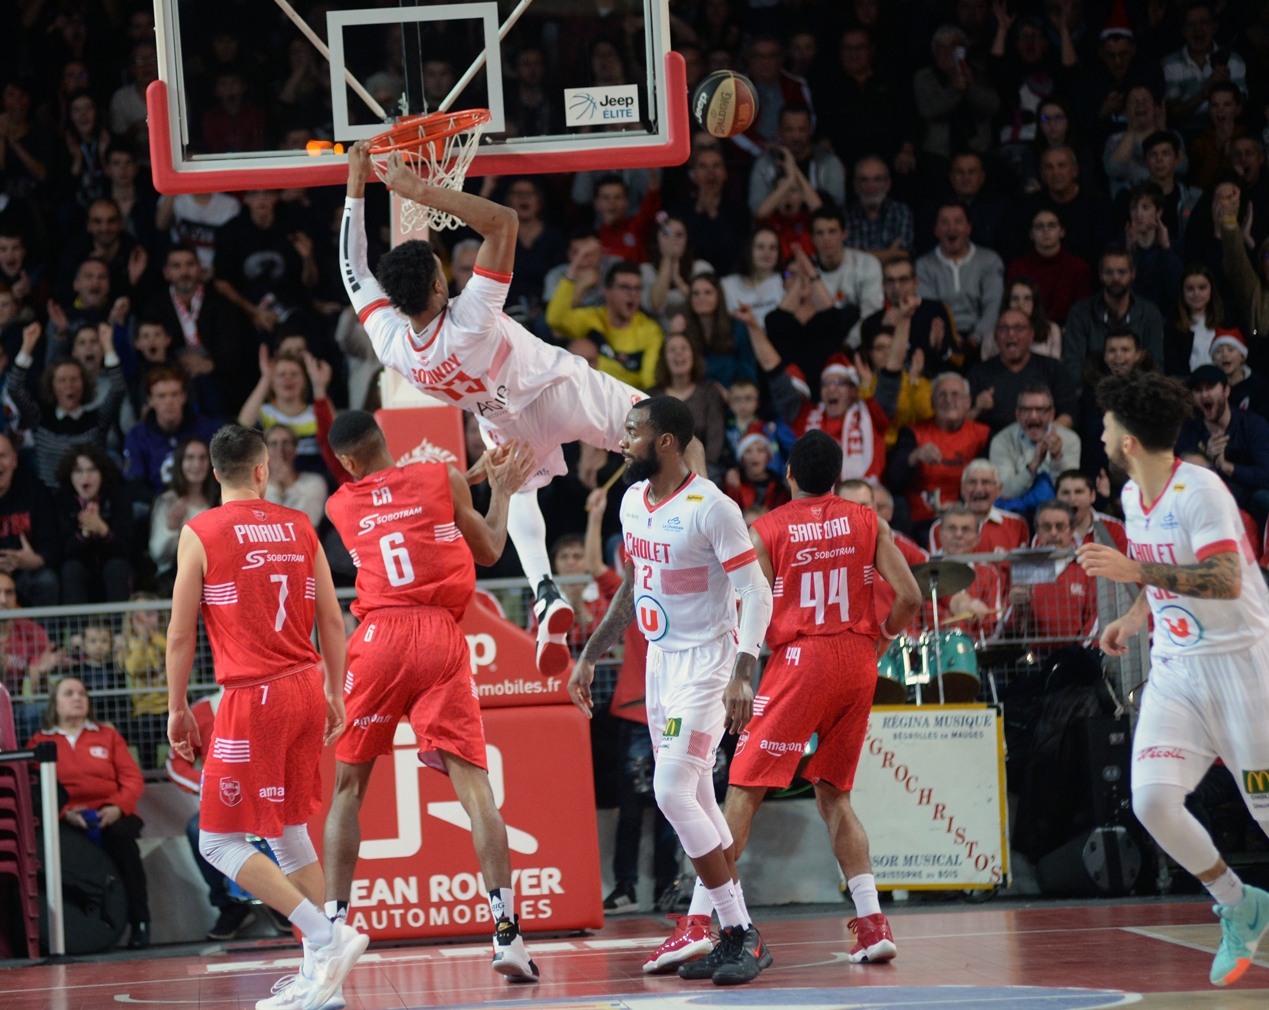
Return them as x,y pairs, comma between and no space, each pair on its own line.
467,352
690,555
413,533
1208,693
821,554
260,576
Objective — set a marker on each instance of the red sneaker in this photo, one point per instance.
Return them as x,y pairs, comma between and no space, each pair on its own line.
873,940
689,941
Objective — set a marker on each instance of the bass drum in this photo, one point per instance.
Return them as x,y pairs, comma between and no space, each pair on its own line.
892,674
961,682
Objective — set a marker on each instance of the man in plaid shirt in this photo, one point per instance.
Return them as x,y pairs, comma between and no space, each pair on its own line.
875,223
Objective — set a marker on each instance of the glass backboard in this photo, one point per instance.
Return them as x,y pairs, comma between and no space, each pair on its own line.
570,85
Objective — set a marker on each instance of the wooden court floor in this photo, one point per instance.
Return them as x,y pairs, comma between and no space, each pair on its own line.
1150,955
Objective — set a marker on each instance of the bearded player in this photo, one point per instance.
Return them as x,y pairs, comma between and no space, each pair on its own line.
690,557
415,537
467,352
821,555
1208,693
261,577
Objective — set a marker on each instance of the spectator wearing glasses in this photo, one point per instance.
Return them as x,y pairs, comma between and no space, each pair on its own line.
997,382
1061,277
928,458
998,530
874,222
795,163
1030,453
931,330
628,343
1065,608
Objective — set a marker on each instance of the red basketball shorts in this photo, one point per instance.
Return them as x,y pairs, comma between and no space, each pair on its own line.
262,766
410,662
818,684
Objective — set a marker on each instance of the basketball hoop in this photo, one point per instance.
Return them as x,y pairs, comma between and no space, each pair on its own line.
439,148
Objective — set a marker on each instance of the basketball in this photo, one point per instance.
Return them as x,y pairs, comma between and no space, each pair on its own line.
725,103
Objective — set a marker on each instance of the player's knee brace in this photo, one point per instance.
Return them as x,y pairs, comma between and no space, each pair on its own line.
294,850
1160,807
709,803
227,851
675,785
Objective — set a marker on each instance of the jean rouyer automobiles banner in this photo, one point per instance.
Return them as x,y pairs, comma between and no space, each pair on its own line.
930,790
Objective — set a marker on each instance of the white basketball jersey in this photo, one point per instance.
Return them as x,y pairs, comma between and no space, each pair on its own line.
682,549
1195,518
473,355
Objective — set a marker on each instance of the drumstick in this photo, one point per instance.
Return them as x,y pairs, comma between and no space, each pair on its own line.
970,615
613,479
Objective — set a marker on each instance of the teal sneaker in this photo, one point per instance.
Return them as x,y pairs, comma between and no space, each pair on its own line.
1242,926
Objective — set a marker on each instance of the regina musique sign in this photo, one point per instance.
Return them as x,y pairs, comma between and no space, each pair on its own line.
930,789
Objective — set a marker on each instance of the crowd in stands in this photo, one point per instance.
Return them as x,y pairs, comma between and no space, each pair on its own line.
949,220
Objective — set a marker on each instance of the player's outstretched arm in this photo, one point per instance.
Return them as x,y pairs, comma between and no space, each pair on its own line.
507,468
892,567
612,627
330,636
1218,577
496,224
182,641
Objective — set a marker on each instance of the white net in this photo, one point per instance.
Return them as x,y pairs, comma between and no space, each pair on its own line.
438,161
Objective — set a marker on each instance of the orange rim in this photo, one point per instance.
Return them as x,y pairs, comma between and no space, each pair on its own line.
405,134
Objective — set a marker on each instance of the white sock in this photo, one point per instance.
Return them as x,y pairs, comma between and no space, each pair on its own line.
502,901
312,923
745,918
527,530
863,892
725,903
701,905
337,911
1227,889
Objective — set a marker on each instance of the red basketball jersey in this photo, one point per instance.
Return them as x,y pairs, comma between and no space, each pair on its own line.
398,525
822,551
259,593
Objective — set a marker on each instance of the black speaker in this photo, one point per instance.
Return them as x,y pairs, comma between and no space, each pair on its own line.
1098,863
1102,752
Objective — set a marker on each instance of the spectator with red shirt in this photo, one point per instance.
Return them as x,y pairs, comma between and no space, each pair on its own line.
1065,608
998,530
1076,491
233,123
984,600
621,234
634,744
754,484
1062,277
929,457
103,785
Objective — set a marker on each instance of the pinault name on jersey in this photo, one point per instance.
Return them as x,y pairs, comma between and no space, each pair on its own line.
265,533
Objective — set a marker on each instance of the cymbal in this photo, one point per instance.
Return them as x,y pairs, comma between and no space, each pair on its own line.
999,653
947,577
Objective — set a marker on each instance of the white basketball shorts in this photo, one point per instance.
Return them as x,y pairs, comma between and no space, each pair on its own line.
1199,708
684,696
587,405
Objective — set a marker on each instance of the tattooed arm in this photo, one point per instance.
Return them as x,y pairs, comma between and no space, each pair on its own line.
615,622
1216,578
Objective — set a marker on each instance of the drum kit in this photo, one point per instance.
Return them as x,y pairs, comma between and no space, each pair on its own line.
940,666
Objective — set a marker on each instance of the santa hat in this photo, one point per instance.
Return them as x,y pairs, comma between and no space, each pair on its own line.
754,435
839,364
1231,337
1117,23
798,379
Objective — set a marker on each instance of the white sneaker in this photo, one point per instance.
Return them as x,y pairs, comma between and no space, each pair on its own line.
510,957
289,993
555,618
332,962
